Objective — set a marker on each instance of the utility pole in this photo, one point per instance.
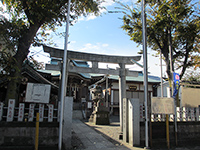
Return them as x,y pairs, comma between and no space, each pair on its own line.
144,41
161,74
64,79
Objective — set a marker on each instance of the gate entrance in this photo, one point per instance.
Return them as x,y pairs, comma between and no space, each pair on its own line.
122,72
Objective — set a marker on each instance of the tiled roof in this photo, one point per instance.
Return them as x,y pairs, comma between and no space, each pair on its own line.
140,78
52,72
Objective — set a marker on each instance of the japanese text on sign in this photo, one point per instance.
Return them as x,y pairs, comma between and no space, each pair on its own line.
162,105
10,113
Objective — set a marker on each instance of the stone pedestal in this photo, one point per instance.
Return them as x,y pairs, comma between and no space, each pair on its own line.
100,116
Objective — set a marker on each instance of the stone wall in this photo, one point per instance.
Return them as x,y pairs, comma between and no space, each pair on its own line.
188,134
23,134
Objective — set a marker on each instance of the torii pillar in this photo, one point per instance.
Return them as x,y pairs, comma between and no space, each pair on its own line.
122,102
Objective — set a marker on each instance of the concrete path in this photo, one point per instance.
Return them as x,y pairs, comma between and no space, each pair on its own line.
106,137
93,140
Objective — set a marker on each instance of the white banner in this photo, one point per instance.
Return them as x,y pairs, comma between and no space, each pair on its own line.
31,112
10,112
50,112
1,110
21,112
41,112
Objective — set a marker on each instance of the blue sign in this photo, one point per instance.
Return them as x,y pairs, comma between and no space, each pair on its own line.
176,83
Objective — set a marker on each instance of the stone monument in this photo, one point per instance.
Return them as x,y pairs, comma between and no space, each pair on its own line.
100,114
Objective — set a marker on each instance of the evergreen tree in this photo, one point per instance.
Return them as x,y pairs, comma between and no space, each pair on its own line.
26,24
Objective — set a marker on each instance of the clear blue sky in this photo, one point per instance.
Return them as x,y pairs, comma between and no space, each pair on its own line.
103,35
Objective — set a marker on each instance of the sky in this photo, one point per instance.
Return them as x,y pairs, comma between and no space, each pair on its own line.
102,35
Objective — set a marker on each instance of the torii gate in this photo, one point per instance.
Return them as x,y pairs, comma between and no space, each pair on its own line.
95,59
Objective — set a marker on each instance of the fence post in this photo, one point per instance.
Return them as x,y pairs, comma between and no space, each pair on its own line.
172,117
197,114
184,114
153,117
187,114
181,113
163,117
37,132
192,114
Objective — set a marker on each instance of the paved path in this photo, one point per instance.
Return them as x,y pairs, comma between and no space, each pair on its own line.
93,140
106,137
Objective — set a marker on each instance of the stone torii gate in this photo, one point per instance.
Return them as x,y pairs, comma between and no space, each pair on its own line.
95,59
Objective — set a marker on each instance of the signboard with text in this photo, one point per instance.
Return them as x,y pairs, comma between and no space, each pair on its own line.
37,93
31,112
162,105
21,112
50,112
10,111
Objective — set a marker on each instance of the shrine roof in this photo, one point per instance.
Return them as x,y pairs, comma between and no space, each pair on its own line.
140,78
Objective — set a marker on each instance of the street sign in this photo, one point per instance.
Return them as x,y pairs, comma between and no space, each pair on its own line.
162,105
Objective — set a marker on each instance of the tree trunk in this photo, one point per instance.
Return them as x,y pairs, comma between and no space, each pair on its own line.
13,87
23,49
